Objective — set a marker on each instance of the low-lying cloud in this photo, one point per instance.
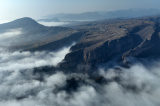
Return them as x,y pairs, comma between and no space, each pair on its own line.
10,33
10,37
28,60
135,86
53,23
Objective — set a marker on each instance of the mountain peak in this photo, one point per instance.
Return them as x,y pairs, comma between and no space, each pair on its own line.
21,23
25,21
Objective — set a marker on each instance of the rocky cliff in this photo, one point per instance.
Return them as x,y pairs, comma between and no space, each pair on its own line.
106,40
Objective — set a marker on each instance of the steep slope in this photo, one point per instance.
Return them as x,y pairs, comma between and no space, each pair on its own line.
118,39
147,47
30,35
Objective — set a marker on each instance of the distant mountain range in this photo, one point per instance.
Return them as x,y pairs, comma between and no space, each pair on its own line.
92,16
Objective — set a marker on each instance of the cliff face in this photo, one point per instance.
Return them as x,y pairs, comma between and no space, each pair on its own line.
107,40
147,47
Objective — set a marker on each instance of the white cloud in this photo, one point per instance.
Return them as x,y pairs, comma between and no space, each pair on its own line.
53,23
138,86
10,33
28,60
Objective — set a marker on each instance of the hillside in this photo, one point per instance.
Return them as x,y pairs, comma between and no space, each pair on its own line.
107,40
27,34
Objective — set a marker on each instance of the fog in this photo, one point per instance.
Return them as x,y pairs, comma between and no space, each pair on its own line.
136,86
10,37
28,60
10,33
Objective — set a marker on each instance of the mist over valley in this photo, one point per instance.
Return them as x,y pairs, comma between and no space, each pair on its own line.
103,58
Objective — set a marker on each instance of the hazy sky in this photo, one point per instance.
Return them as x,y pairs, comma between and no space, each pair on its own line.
12,9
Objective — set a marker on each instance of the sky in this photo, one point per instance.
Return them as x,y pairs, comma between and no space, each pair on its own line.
13,9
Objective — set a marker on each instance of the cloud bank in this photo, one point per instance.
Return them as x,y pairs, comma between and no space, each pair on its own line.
10,37
10,33
53,23
28,60
135,86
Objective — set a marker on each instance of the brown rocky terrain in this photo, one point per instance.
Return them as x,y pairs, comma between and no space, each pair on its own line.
106,40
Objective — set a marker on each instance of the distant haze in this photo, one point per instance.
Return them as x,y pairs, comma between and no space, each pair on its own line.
13,9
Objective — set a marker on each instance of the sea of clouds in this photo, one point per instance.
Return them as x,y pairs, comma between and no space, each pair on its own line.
135,86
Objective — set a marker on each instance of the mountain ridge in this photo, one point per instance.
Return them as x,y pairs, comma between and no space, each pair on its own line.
124,38
99,15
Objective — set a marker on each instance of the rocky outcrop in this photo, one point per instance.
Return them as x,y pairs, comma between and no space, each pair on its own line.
147,47
107,40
